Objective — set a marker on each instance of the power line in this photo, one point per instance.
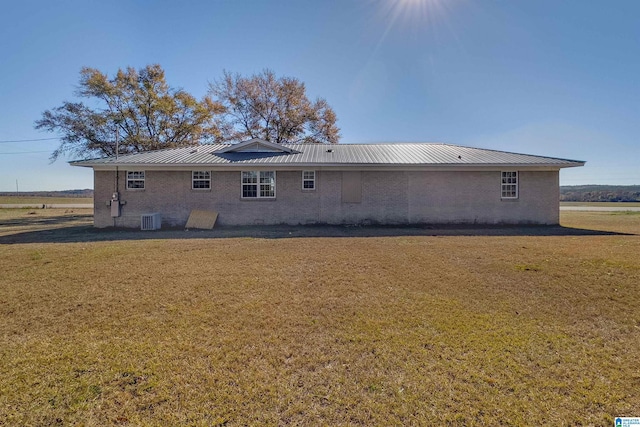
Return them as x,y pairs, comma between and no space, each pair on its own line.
27,140
25,152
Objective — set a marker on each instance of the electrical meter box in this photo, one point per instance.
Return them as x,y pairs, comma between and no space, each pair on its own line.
115,205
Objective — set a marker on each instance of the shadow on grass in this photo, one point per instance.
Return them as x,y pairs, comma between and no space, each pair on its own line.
53,221
60,232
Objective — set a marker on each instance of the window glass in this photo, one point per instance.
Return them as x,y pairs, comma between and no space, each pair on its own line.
258,184
200,180
308,180
135,180
509,185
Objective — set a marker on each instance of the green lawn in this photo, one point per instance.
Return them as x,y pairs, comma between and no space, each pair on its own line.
405,330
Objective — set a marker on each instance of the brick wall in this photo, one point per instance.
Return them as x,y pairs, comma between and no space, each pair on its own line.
388,197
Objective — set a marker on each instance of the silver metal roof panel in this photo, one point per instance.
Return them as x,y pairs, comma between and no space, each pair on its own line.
391,154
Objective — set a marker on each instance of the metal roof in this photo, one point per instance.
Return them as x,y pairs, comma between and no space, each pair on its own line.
334,155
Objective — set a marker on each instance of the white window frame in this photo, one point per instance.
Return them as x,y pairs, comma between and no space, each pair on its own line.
135,177
308,180
263,188
509,185
202,177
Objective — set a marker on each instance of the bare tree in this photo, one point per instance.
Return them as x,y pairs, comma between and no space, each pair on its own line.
273,109
140,106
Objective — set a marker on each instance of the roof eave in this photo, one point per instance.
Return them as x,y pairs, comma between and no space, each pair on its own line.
326,166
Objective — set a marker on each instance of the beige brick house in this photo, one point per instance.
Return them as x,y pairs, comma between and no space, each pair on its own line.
258,182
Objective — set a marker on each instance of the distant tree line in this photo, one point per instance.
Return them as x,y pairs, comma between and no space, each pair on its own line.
600,193
85,193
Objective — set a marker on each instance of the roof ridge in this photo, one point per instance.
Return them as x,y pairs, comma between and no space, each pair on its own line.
367,143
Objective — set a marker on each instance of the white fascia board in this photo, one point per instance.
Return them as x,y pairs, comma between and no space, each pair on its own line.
331,167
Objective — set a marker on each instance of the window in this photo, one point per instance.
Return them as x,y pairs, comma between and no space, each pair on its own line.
200,180
509,185
135,180
308,180
258,184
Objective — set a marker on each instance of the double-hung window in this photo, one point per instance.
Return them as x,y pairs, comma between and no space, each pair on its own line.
308,180
258,184
135,180
509,185
200,180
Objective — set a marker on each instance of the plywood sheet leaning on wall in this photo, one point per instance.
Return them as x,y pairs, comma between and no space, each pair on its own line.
202,219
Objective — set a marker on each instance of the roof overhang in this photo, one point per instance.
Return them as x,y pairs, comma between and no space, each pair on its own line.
333,167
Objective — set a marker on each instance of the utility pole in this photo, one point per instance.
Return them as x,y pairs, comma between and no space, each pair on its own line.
17,190
117,146
117,121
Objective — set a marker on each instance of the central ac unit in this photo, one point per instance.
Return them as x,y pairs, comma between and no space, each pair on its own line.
150,222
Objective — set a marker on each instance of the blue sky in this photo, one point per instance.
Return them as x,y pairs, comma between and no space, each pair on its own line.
548,77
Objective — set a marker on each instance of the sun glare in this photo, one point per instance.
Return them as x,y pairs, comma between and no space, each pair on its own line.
414,23
413,11
416,16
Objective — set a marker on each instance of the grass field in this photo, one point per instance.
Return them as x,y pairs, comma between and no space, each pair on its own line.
603,204
43,200
434,329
